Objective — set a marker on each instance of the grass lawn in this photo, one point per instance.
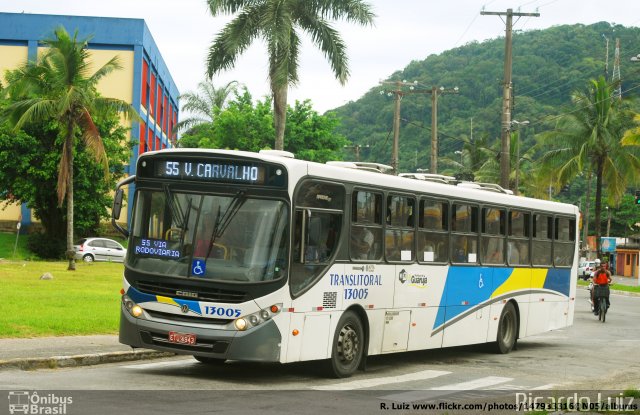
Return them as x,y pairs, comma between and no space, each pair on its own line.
8,243
618,287
72,303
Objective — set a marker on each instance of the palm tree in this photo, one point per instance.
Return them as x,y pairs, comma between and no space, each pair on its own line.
590,140
277,22
205,104
470,161
59,87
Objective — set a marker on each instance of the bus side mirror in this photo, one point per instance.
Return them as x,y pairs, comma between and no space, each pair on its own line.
117,204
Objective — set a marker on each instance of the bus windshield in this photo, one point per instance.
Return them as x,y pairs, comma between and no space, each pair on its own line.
231,238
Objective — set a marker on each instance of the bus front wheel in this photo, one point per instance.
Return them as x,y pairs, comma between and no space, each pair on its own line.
348,344
507,329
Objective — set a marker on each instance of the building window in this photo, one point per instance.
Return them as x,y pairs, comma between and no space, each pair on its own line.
150,140
143,129
145,83
152,95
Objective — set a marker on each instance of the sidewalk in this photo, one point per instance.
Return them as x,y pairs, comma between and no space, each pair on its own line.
617,279
52,352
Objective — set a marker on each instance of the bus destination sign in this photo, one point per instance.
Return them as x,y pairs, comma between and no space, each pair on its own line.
214,171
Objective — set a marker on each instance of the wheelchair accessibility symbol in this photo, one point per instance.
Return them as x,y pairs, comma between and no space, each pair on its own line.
198,267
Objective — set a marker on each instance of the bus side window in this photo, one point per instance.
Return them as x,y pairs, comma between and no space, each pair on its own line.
366,226
564,242
464,237
518,238
493,234
317,224
399,237
542,227
433,237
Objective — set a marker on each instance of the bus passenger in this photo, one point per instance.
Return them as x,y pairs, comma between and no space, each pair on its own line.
361,242
203,248
460,250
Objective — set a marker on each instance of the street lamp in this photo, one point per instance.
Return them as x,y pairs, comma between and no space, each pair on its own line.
516,122
460,154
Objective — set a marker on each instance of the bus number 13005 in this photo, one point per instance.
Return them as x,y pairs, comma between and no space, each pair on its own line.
356,293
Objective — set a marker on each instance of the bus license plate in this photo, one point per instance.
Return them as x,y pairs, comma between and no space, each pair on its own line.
182,338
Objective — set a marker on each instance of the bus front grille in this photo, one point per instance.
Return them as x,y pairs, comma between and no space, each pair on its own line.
197,293
187,319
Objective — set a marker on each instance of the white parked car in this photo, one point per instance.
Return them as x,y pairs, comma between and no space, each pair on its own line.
99,249
585,269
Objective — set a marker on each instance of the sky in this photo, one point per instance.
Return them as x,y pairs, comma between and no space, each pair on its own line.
404,31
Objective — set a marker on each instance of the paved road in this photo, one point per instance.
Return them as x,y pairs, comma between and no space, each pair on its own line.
564,359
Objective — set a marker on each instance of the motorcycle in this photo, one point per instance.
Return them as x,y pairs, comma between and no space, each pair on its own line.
603,307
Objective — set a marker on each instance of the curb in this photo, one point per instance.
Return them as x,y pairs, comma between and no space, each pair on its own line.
625,293
80,360
617,292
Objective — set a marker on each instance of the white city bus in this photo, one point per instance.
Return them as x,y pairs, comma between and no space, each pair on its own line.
262,257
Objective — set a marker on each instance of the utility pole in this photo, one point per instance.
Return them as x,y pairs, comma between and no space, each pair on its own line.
606,58
356,149
505,167
518,141
435,92
616,73
399,93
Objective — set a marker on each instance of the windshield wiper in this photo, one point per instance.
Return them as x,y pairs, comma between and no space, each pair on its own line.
174,207
224,221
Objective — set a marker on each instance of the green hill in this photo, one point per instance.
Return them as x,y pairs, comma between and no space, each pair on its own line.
548,65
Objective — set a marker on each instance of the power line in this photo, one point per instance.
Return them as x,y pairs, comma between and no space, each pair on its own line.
399,93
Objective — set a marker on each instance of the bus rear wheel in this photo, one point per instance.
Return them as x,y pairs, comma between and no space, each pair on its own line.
507,329
348,346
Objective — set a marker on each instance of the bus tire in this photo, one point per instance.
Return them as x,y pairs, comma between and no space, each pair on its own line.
507,329
347,349
209,360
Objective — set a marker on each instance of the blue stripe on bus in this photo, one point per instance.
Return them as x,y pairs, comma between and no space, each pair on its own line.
467,287
140,297
559,279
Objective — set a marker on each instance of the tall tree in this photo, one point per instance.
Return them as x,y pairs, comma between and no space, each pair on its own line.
59,87
590,139
277,23
245,125
204,104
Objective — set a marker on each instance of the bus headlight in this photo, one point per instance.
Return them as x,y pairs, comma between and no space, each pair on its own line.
257,318
134,309
241,324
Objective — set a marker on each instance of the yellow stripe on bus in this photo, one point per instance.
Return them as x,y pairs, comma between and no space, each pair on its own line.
522,279
166,300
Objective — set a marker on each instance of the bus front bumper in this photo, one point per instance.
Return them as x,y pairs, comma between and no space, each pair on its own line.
261,344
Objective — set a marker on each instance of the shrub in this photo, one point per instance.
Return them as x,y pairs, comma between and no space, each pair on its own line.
47,247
